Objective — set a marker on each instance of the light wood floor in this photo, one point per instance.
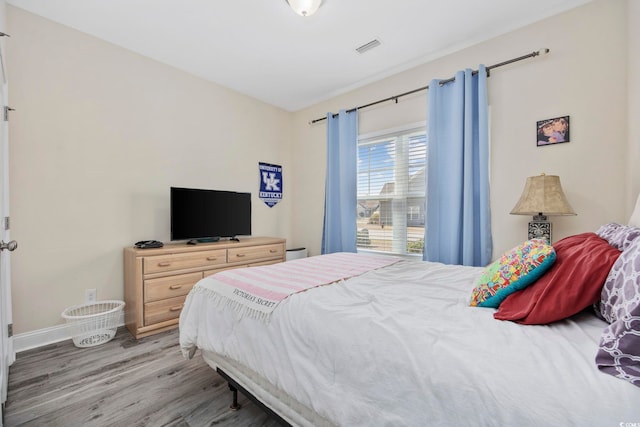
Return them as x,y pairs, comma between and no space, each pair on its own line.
121,383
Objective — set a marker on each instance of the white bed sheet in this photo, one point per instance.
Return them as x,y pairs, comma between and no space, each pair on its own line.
400,346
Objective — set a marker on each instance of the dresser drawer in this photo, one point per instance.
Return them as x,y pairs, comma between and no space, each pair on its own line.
166,309
255,252
169,287
258,264
162,263
208,273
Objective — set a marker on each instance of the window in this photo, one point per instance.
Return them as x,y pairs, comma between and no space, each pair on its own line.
391,191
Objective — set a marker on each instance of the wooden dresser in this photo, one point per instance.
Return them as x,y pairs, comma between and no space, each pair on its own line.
157,281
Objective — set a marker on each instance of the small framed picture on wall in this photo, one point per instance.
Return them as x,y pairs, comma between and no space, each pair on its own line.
552,131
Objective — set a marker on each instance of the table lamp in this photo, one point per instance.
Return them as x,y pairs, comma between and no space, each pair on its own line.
542,196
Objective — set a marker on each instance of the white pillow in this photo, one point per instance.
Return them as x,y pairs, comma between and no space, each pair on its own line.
635,216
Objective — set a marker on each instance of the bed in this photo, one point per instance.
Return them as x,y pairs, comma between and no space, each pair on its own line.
400,345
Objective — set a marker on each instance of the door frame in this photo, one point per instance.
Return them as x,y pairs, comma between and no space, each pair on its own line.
7,353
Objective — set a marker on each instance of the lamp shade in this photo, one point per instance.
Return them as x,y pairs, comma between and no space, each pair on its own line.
543,194
304,7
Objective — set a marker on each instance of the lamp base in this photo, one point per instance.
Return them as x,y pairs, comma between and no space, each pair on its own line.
540,228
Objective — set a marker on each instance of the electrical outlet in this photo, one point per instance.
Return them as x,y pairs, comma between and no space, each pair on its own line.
90,295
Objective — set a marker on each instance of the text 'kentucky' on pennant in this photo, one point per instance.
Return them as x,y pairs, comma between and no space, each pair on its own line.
270,183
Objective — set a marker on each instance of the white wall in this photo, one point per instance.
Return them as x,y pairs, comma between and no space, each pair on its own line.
584,77
98,136
633,91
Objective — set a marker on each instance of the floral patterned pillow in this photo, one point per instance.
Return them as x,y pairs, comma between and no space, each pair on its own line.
513,271
619,350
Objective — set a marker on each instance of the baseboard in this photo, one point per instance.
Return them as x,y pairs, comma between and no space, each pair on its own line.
46,336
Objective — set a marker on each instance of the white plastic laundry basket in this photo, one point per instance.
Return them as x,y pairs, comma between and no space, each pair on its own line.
94,323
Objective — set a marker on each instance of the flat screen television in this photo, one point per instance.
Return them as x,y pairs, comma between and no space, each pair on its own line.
208,215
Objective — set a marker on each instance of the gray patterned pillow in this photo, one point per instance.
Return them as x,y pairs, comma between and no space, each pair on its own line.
619,351
618,236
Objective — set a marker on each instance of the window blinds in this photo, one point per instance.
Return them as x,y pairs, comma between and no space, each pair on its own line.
391,192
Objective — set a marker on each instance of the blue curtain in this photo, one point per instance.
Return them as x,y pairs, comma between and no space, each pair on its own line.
340,201
458,227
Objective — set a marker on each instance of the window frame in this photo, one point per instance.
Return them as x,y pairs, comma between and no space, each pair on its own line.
392,133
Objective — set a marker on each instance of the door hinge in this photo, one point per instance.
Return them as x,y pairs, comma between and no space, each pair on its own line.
5,222
10,330
6,112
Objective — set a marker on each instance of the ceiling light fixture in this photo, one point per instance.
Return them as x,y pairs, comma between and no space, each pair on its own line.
304,7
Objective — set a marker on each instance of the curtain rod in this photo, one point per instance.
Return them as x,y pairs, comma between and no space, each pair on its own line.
542,51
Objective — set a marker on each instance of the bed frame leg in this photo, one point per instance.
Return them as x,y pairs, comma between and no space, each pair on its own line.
234,405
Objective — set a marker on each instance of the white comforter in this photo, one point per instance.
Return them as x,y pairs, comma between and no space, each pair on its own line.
400,346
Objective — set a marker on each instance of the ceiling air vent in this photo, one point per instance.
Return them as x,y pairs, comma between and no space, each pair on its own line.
368,46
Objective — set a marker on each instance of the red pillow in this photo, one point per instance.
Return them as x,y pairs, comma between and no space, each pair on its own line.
572,284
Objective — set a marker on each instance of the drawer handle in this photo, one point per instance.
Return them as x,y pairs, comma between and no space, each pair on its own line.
174,287
164,264
212,258
273,251
240,255
176,308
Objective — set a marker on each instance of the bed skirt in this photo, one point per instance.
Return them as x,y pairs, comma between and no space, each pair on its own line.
275,399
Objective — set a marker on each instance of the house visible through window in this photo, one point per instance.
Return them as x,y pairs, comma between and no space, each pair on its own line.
391,191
